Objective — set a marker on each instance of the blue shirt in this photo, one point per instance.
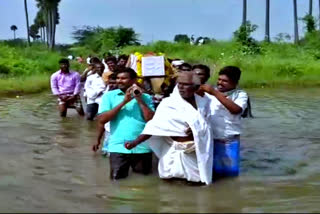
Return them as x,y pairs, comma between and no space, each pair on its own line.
128,124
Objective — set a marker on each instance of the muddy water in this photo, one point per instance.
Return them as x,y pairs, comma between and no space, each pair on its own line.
46,164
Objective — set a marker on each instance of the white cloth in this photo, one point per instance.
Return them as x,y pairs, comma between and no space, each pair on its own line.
226,124
94,87
88,60
172,118
133,62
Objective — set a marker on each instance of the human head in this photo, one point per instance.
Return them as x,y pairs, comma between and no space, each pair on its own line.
112,82
111,61
228,79
94,60
122,60
126,77
64,65
184,67
188,84
98,68
202,71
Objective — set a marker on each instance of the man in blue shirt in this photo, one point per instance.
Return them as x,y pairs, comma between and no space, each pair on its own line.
128,110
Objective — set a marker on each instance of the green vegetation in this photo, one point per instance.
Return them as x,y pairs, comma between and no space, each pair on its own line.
27,69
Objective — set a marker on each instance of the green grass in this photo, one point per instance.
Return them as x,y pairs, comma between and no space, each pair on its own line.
24,84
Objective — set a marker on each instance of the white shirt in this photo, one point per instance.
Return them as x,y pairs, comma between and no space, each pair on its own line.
88,60
93,87
106,68
225,124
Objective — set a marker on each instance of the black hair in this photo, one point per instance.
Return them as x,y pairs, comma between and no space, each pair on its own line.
111,58
130,71
64,61
123,56
99,63
113,76
232,72
186,65
95,60
205,68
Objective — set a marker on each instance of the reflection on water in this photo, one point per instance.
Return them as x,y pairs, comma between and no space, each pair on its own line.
47,164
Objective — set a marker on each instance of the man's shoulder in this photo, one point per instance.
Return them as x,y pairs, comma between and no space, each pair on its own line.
75,73
112,93
55,74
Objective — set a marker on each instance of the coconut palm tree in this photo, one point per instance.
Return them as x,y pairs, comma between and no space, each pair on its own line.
310,7
26,12
14,28
244,12
295,15
267,35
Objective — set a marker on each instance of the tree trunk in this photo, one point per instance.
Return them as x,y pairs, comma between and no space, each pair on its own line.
296,32
267,35
319,14
48,15
244,12
310,7
26,12
14,34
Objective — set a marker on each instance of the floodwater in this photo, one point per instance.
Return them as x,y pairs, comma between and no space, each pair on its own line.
46,163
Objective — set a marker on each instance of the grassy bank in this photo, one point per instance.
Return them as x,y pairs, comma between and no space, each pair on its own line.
278,65
27,69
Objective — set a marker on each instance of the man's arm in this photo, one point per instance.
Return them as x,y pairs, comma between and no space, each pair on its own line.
100,130
146,111
54,85
141,138
229,104
109,115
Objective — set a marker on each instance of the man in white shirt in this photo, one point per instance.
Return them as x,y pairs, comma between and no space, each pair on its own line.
94,88
227,105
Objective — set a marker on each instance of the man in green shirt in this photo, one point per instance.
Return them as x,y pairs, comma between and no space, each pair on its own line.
128,110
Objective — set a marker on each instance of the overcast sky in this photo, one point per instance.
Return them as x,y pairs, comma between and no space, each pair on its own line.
158,19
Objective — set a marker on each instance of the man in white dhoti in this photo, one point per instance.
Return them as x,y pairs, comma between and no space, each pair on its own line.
180,133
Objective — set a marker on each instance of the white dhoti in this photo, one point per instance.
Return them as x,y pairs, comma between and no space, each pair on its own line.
189,160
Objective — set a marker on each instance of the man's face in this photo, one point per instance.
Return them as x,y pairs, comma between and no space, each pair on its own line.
122,62
201,74
185,85
111,65
99,68
124,81
112,84
64,67
225,84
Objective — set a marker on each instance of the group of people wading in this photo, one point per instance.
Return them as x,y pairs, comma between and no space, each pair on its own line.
194,129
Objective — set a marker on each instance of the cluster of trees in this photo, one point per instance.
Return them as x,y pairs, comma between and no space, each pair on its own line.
99,39
45,22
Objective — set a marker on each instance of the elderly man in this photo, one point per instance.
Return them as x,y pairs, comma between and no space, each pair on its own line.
180,134
128,110
65,84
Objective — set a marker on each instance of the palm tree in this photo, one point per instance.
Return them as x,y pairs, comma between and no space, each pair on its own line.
244,12
26,12
310,7
296,32
14,28
267,35
319,13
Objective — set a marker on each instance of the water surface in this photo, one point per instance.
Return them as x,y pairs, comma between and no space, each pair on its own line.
46,163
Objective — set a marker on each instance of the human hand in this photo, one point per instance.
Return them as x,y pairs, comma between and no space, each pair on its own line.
130,145
95,147
69,98
128,95
206,88
136,91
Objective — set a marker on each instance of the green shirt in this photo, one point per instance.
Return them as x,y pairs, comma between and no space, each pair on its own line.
128,124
